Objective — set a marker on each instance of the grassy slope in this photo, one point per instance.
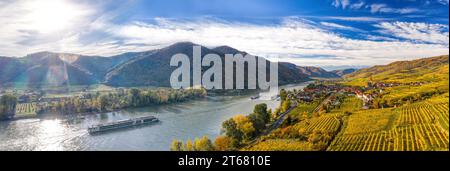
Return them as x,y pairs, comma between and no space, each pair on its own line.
433,69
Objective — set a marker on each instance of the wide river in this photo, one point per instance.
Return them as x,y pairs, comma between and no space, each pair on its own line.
178,121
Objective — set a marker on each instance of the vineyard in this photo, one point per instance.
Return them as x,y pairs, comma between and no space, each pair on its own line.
419,127
367,121
435,136
279,145
399,139
407,109
364,142
350,104
425,113
329,123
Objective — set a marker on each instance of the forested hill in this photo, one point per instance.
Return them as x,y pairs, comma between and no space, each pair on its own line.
148,68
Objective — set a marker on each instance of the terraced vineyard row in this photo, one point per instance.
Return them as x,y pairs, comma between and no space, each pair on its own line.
408,139
324,123
400,139
435,136
26,108
425,113
367,121
441,110
420,127
364,142
416,114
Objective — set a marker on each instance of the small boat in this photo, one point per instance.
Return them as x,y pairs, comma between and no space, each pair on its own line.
122,124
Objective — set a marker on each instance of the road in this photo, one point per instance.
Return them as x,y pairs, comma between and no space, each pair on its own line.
323,103
281,118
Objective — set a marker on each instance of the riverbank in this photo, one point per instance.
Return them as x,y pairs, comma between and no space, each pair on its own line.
183,121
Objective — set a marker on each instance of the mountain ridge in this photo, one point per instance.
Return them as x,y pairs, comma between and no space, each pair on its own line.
123,70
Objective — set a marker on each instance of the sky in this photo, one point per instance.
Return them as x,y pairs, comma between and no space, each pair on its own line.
327,33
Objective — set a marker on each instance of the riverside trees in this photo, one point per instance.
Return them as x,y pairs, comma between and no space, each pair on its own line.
237,131
7,106
104,102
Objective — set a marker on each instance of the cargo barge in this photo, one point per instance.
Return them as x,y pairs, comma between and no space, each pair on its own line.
122,124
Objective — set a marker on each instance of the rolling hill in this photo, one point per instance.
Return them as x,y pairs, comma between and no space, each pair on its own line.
149,68
153,69
343,72
431,69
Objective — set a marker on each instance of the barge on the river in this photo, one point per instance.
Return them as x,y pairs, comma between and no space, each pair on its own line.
122,124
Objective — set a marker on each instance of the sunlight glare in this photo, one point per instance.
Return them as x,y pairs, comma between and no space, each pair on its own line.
48,16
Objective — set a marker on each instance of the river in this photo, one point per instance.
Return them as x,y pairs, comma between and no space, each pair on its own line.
181,121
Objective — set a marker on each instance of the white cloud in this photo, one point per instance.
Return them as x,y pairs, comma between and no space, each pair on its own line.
338,26
418,32
357,5
383,8
341,3
294,39
359,19
28,25
380,38
443,2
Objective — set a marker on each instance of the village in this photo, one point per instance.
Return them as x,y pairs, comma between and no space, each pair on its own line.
328,90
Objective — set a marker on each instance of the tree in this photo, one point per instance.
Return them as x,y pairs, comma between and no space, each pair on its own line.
231,130
258,122
283,95
7,106
135,96
285,105
102,101
177,145
224,143
189,146
245,126
203,144
261,111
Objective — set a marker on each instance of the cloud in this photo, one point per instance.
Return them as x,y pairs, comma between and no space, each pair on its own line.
38,25
357,5
417,32
341,3
383,8
292,39
443,2
359,19
375,8
380,38
338,26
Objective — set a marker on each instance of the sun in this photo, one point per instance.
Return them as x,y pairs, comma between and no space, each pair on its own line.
47,16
